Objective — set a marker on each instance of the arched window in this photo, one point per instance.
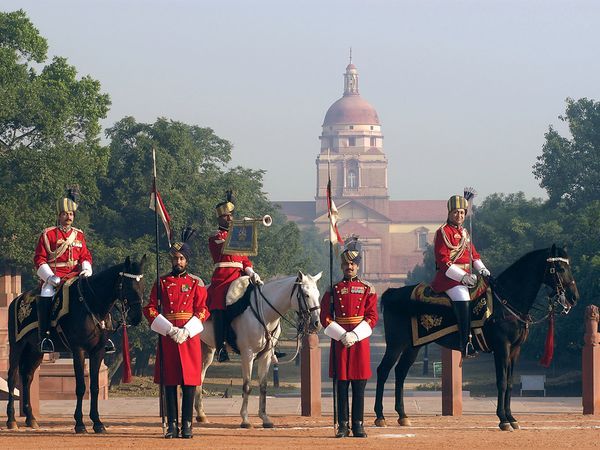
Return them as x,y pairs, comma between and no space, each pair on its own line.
352,179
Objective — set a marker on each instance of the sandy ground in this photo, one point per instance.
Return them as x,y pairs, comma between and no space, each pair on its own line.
427,432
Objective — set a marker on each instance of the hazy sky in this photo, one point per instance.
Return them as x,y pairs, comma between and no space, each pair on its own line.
465,90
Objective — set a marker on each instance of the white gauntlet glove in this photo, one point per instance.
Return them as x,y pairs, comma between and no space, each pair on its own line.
86,269
172,333
349,339
181,336
53,280
469,280
480,268
253,276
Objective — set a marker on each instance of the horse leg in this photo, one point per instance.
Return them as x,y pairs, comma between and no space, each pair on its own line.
208,354
514,357
501,360
78,365
263,364
390,358
95,361
11,423
30,361
408,357
247,360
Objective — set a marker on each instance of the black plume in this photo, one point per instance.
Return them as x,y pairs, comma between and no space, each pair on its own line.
187,233
229,196
469,193
73,192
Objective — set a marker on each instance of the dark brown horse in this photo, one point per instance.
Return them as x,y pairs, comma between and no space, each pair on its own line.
514,292
83,332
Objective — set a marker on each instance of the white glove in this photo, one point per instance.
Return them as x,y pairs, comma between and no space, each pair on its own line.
469,280
86,269
484,272
349,339
172,333
480,268
182,335
53,280
253,276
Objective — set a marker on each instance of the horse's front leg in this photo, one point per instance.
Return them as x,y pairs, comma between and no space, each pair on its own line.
30,361
514,357
95,361
208,353
264,362
11,422
407,359
78,365
501,360
392,353
247,360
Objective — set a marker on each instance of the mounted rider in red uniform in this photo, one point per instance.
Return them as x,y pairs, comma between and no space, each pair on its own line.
227,269
454,253
61,253
183,304
355,316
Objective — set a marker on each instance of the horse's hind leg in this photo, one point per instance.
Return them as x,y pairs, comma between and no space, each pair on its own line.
78,365
247,359
514,357
208,353
95,360
263,364
501,360
11,423
392,353
30,361
406,361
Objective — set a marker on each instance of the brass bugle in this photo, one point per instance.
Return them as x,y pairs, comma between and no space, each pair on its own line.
266,220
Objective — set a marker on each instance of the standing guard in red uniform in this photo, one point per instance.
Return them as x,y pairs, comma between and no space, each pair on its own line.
183,300
454,253
61,253
227,269
355,307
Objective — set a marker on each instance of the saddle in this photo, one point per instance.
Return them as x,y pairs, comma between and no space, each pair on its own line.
428,327
237,301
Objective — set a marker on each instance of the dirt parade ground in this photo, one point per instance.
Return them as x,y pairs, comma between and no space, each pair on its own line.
427,432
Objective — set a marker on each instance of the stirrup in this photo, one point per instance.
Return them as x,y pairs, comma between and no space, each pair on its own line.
47,346
223,356
469,351
109,347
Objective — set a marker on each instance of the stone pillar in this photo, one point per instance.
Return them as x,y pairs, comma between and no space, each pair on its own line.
310,376
451,383
10,288
591,362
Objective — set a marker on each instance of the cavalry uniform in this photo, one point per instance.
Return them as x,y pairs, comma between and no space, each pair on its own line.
64,250
183,297
354,301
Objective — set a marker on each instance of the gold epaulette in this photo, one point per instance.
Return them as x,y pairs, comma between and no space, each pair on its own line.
197,278
369,285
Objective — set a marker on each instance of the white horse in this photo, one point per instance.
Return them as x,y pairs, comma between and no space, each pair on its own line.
256,340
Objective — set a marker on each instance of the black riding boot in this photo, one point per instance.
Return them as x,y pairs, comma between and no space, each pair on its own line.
220,327
187,406
463,319
358,408
342,409
172,424
44,304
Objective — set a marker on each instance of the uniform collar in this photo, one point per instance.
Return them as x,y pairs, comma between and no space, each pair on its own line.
223,229
65,229
351,279
450,224
179,275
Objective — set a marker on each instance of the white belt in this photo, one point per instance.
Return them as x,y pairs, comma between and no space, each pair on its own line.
238,265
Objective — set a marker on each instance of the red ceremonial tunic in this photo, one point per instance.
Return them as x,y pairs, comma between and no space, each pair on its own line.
354,301
451,246
182,296
72,251
227,269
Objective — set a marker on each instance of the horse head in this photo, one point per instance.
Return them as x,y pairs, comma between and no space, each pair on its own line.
309,301
131,289
559,277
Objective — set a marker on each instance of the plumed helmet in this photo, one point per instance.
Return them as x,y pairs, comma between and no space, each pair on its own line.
227,206
352,250
183,246
69,202
457,202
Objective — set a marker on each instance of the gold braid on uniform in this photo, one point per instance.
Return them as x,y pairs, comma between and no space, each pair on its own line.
456,251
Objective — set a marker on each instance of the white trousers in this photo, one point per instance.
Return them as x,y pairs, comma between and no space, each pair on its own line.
459,293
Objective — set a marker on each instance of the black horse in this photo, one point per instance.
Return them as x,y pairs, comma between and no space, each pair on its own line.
514,293
83,331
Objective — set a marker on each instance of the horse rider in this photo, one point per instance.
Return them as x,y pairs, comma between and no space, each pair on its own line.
227,268
454,253
61,253
355,315
183,301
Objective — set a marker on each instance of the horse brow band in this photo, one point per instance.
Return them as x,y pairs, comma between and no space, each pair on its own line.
565,260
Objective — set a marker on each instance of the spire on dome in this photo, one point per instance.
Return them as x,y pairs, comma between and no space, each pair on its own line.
351,78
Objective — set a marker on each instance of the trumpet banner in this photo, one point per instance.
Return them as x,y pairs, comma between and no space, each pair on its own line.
242,239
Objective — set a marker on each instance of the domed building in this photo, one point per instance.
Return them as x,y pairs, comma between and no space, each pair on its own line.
393,232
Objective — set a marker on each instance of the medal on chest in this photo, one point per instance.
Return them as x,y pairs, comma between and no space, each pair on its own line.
185,287
357,290
344,291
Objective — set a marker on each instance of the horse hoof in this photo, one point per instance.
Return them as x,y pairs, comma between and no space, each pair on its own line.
246,425
99,429
12,425
201,419
404,422
268,425
32,424
515,425
505,426
80,429
380,422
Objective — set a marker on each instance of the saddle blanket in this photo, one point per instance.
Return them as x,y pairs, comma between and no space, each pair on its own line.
429,327
26,318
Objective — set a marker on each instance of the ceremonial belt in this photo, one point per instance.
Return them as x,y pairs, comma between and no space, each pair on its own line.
354,320
237,265
70,263
465,266
179,316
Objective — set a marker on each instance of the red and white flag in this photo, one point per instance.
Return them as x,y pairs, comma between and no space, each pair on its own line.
334,234
162,211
